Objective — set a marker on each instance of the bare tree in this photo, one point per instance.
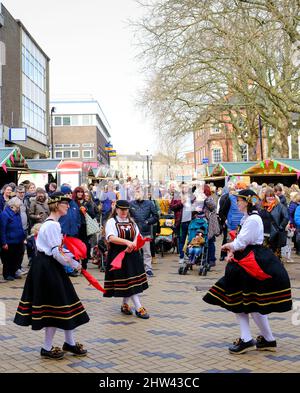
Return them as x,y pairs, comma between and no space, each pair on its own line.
221,59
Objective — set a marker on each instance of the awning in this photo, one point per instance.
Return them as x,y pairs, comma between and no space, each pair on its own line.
43,165
231,168
11,159
274,167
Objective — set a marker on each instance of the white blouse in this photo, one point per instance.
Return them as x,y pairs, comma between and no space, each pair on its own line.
49,241
111,229
252,232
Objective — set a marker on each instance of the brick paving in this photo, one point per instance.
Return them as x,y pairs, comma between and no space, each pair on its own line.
183,335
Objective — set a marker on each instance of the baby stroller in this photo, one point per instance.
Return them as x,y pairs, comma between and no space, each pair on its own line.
198,224
165,240
99,254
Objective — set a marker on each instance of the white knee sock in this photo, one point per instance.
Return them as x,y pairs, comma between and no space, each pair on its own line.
243,320
69,337
262,323
126,300
49,334
136,301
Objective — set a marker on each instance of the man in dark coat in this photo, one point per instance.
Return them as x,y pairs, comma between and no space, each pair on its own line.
145,215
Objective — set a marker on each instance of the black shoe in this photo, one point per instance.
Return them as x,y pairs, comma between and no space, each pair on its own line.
54,353
76,349
9,278
73,274
240,346
263,345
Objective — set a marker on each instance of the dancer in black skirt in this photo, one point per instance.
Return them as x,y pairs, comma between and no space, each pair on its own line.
131,279
49,299
263,291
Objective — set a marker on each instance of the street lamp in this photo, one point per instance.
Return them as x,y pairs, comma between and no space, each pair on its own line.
260,138
53,109
147,169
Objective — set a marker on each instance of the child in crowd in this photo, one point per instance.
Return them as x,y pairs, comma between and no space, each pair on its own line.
195,246
287,249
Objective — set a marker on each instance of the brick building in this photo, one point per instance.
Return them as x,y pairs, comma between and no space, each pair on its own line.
80,131
24,90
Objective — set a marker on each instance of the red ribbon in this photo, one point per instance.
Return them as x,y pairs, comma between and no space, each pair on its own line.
92,280
116,264
249,264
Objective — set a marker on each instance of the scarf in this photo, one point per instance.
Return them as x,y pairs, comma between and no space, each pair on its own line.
269,206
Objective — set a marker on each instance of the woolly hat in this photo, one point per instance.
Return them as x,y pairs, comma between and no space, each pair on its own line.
65,190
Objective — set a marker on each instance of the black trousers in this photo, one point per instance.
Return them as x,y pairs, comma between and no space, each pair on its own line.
12,259
224,241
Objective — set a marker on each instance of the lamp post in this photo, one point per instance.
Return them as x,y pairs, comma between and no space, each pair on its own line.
260,138
53,109
147,169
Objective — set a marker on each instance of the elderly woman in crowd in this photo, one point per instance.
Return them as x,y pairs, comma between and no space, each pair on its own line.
5,196
12,238
275,218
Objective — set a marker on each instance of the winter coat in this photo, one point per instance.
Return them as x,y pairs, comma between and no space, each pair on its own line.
71,222
234,215
210,211
38,211
275,221
11,229
292,209
177,206
23,213
145,215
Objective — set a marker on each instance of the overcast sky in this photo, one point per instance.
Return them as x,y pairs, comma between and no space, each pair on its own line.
91,50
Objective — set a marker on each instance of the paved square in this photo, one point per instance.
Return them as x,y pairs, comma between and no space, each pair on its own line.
184,334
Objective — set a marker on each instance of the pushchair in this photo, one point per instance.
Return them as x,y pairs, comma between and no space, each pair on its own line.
99,254
165,239
198,224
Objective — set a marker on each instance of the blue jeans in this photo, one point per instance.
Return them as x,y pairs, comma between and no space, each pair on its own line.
194,252
183,231
212,250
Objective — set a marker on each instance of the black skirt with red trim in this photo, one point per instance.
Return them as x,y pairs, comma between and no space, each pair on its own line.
239,292
130,280
49,298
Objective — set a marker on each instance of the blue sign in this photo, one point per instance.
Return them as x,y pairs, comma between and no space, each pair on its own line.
205,160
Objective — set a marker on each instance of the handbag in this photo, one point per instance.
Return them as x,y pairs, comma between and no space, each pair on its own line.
92,226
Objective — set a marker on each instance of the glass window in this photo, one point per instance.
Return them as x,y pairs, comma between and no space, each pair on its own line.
75,120
244,152
57,120
86,120
66,121
75,153
58,154
67,154
217,155
215,129
88,153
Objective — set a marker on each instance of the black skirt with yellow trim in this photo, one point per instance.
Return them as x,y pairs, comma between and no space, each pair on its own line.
130,280
49,298
239,292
